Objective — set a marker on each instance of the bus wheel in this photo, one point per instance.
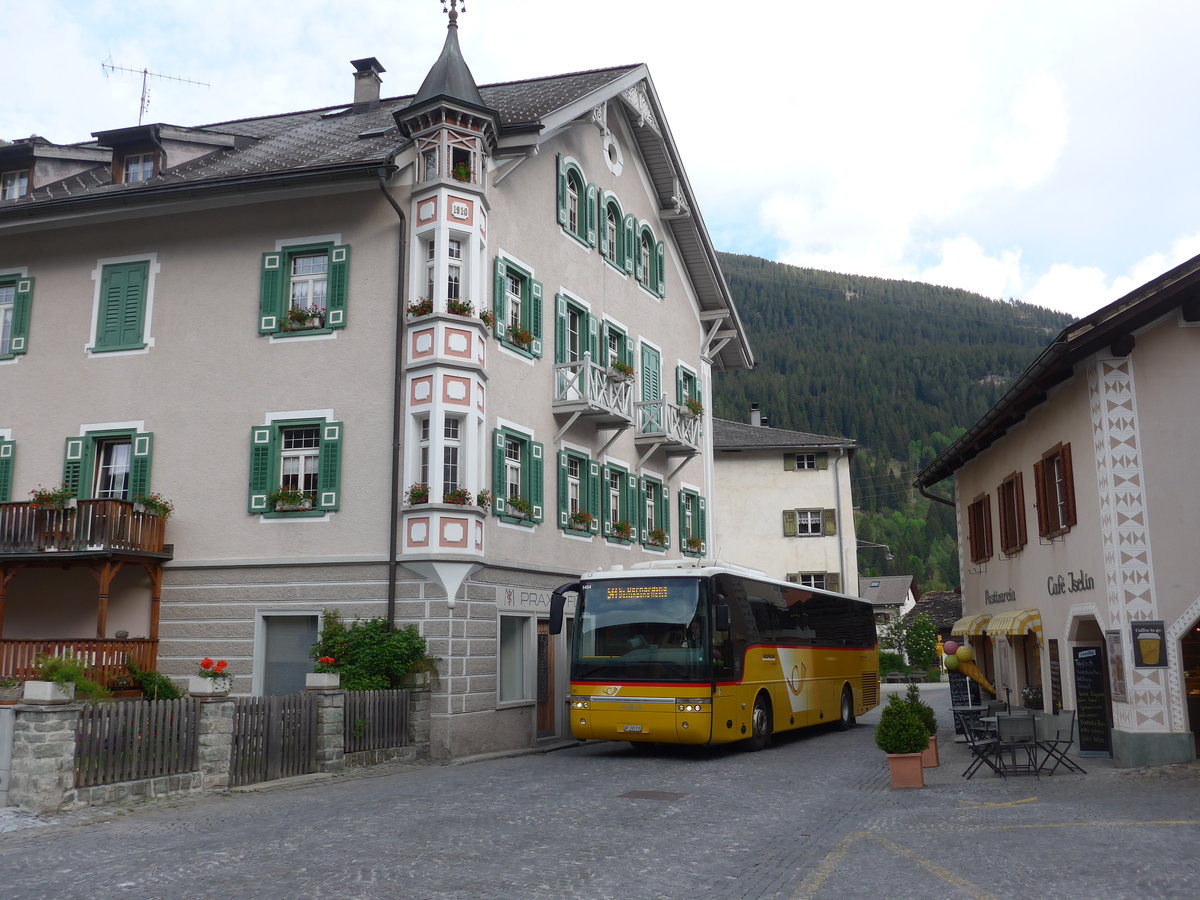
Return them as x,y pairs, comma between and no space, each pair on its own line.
847,717
761,723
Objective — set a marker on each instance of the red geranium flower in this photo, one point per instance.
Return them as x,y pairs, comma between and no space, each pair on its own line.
206,663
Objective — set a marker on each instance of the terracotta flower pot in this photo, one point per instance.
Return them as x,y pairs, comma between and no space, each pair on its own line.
929,756
906,770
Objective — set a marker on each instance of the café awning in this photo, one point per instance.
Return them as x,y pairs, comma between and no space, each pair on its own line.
1017,623
971,626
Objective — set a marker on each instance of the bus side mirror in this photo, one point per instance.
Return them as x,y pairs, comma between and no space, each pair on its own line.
558,603
722,611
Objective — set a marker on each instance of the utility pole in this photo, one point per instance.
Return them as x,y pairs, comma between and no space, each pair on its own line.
146,74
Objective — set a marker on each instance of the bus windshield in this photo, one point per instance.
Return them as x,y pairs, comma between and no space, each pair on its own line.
633,629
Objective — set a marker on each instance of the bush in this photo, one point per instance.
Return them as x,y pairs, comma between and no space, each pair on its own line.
154,685
923,710
367,655
890,661
900,729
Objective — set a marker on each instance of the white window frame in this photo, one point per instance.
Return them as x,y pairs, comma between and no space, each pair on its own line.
513,466
523,658
809,523
305,460
135,164
806,461
14,185
104,468
8,309
452,455
312,282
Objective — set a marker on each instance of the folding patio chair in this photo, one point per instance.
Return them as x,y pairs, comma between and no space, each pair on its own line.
1018,738
1056,748
984,747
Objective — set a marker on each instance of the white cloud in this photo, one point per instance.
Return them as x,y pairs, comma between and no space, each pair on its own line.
1027,153
964,264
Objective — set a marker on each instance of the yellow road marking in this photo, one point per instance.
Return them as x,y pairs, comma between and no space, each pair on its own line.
974,804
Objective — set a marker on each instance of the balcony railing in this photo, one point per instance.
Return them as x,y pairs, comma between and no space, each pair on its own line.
89,525
660,421
582,386
104,658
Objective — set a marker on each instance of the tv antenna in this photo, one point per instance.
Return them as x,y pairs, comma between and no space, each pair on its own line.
146,74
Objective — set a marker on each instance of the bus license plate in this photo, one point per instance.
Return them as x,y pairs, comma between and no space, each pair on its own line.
633,729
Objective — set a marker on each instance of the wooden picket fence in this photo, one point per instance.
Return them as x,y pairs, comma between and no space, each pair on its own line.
131,739
273,737
376,720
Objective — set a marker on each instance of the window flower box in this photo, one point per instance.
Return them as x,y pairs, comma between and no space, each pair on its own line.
458,497
417,493
580,520
61,497
518,508
522,337
692,408
422,307
460,308
657,537
302,318
216,686
622,531
289,499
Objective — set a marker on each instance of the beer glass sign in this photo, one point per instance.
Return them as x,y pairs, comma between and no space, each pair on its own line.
1149,644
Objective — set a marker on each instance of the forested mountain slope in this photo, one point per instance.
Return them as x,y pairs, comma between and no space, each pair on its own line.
902,367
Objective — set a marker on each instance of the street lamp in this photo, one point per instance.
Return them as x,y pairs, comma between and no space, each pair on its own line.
864,545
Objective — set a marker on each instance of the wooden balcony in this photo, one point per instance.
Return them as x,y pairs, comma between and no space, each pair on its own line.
583,388
666,426
89,526
104,658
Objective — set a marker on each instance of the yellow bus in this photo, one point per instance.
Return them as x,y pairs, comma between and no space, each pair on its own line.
677,652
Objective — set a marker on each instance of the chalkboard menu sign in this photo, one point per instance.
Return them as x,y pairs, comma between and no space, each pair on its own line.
1091,701
963,692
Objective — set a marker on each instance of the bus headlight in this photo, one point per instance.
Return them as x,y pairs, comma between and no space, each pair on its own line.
579,704
692,706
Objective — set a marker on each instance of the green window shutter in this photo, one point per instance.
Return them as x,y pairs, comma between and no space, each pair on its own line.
607,513
681,500
822,461
793,577
76,459
593,339
562,192
602,228
498,496
789,462
702,507
638,269
142,451
122,306
591,215
339,286
651,388
498,304
562,489
22,304
833,581
535,315
629,238
660,274
7,450
630,511
329,466
537,479
593,494
829,521
270,293
560,328
790,528
681,392
640,499
664,503
262,468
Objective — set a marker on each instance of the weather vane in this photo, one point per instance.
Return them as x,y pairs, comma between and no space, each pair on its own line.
451,8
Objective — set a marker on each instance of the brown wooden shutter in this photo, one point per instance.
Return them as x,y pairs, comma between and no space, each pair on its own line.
1069,485
1039,495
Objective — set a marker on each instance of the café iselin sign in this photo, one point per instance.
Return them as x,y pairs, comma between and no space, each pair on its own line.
1069,583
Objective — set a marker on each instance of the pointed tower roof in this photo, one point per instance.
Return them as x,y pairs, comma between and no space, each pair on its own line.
450,77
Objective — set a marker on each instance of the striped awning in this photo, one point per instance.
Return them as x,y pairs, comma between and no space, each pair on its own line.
971,626
1017,623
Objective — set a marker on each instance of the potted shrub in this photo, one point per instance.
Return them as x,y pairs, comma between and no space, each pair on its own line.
324,677
288,499
422,307
620,371
417,493
1031,696
212,679
929,756
460,308
51,498
580,520
155,504
458,496
59,679
902,736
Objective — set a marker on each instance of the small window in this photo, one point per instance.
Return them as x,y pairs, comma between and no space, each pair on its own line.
109,465
14,185
120,320
576,203
139,167
808,579
451,454
656,519
1011,496
303,289
620,510
617,238
806,460
1054,485
979,528
8,309
295,467
518,301
693,525
111,476
579,489
649,263
429,165
809,522
517,474
796,462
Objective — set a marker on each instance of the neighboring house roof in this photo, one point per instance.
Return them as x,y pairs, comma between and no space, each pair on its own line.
323,146
944,608
1112,327
886,590
728,435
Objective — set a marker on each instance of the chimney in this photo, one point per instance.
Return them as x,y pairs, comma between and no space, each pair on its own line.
766,423
366,83
755,415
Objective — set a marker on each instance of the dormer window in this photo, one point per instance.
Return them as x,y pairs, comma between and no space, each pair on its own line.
138,167
14,185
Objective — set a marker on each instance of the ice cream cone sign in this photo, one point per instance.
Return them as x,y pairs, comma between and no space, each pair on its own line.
963,662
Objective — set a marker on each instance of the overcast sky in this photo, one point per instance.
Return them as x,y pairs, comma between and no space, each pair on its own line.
1043,151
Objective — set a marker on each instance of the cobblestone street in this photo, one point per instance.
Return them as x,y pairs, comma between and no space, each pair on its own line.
811,817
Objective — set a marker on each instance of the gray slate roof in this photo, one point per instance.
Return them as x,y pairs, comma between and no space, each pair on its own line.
728,435
944,608
885,590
